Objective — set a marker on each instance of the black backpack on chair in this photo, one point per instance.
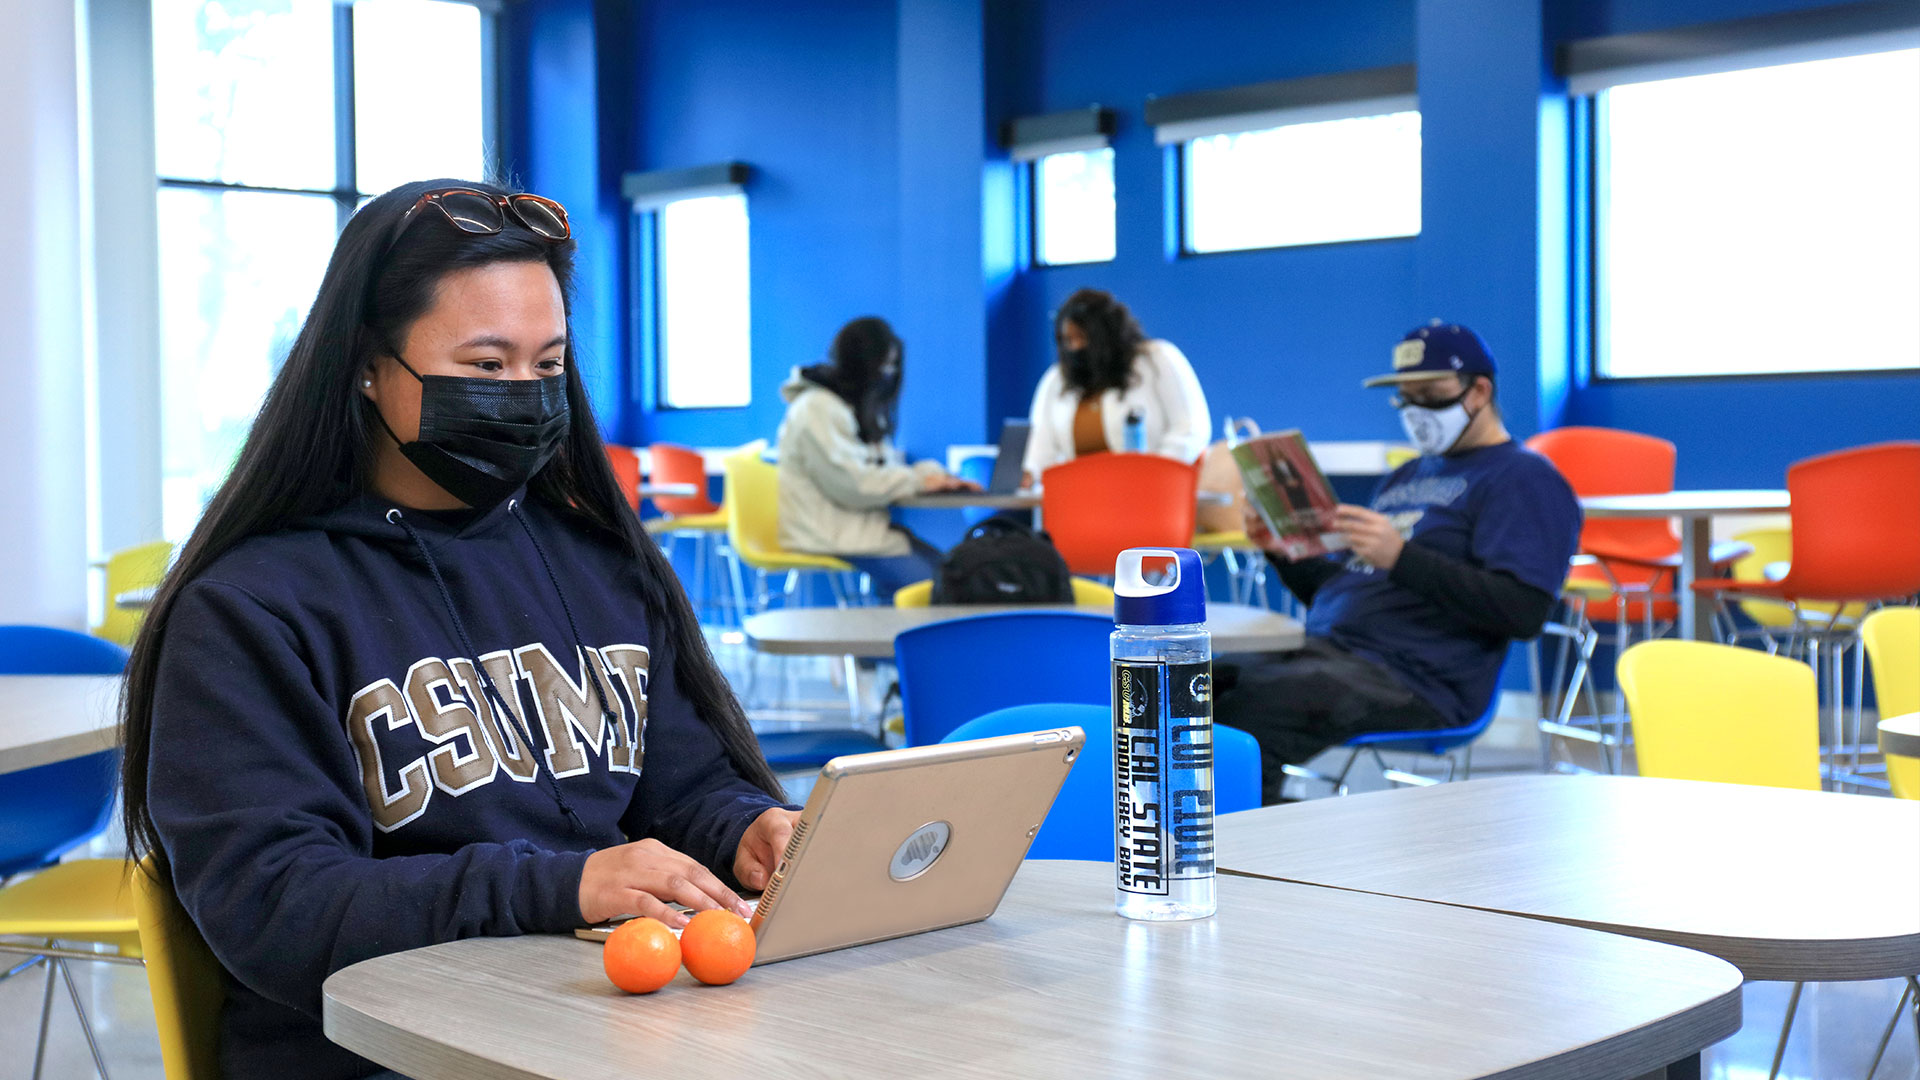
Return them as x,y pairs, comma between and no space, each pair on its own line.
1001,561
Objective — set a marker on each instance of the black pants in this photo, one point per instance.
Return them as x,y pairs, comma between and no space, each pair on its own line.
1299,703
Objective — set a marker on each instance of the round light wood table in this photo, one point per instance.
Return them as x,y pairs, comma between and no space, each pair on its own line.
1790,885
1696,511
1286,981
49,718
868,632
1901,735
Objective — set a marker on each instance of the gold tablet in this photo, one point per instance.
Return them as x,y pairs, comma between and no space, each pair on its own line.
906,841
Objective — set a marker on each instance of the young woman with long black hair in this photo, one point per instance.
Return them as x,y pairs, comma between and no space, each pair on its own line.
1109,374
839,468
419,674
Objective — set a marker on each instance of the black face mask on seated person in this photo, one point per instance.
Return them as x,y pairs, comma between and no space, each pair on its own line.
482,439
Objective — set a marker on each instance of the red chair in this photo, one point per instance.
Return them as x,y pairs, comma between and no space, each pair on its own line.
1097,506
1627,570
1632,560
1856,543
697,518
626,470
672,464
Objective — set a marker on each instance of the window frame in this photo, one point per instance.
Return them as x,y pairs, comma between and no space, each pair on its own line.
1181,191
345,191
1592,160
649,311
1036,217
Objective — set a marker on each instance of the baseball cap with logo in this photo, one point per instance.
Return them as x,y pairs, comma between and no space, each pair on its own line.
1434,350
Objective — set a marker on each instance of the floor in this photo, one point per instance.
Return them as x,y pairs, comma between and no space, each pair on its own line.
1838,1027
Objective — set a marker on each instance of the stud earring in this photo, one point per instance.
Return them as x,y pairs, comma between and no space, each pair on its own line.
368,383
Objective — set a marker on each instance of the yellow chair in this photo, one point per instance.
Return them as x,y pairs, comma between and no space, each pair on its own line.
185,979
1892,637
753,527
85,901
1086,593
139,567
1702,711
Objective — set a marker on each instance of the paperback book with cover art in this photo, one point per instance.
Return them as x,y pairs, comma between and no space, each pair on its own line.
1288,489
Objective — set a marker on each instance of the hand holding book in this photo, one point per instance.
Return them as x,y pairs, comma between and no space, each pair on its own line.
1285,488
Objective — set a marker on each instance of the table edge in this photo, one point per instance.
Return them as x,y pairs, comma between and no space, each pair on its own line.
1757,959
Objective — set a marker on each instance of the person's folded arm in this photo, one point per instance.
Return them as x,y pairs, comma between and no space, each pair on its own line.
1490,601
1304,577
830,452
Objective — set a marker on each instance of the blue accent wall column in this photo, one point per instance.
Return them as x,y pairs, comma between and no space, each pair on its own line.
943,256
552,56
1482,261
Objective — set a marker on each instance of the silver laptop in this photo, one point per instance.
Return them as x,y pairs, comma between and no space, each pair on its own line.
1007,467
906,841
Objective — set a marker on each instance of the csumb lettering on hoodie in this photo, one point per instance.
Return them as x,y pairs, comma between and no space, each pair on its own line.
438,732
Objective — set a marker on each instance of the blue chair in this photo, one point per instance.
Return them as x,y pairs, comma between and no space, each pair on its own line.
1436,742
979,469
795,751
955,670
1080,825
49,810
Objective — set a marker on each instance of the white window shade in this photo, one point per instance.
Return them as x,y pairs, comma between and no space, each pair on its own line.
1796,37
1174,133
704,331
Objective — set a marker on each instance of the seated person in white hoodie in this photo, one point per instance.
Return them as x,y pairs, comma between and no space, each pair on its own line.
839,469
1110,371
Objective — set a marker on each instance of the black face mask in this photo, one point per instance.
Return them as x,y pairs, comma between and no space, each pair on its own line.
483,439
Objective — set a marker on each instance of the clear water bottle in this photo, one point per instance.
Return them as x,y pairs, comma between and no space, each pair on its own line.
1162,736
1136,431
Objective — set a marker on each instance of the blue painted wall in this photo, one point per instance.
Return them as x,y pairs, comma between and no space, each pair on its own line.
805,93
1281,335
563,83
879,191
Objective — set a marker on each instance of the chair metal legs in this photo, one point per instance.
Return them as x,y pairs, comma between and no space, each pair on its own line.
1786,1029
1909,992
56,964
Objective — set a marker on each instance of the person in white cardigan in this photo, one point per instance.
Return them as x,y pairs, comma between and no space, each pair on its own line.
839,469
1110,372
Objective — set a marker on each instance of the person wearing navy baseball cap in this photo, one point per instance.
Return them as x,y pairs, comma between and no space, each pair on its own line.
1461,551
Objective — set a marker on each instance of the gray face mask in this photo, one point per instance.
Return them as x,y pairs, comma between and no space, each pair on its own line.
1434,429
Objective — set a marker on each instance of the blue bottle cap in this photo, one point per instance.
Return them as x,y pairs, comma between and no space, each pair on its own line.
1159,587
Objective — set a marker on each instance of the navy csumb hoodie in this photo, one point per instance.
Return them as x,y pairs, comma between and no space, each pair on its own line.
331,781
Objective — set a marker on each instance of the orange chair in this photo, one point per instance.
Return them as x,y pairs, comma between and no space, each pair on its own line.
670,464
626,470
1623,576
1633,559
1097,506
1856,543
695,517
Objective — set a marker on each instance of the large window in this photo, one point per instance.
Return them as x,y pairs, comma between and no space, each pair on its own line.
258,171
701,328
1311,183
1760,221
1073,209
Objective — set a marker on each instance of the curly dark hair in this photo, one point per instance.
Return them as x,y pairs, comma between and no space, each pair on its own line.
1113,340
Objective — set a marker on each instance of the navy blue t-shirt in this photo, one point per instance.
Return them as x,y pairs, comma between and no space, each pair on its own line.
1501,508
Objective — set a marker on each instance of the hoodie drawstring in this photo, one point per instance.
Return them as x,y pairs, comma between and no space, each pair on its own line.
593,670
492,692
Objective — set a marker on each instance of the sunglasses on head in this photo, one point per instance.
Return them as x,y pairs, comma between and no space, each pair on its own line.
484,214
